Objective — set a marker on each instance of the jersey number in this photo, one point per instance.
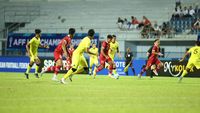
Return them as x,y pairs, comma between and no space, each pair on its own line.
195,51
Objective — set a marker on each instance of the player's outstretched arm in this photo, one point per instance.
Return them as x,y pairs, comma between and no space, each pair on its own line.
64,48
182,59
89,52
28,49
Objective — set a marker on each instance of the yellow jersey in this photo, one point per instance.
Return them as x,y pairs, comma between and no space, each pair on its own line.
95,51
83,45
195,53
34,44
113,48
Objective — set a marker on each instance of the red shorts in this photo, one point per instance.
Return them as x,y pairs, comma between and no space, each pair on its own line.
150,62
57,55
103,60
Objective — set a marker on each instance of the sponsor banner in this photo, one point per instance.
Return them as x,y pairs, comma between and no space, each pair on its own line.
14,64
19,64
175,68
19,40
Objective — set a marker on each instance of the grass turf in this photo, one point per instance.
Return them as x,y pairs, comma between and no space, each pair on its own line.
102,95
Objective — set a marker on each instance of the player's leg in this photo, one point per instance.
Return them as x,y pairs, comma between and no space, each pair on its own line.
149,63
126,67
91,64
83,66
131,65
29,67
189,66
111,68
114,71
100,67
159,65
75,63
37,62
56,68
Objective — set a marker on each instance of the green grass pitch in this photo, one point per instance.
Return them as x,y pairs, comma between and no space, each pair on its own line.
102,95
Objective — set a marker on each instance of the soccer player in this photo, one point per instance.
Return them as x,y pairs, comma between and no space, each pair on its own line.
114,48
78,59
61,49
153,59
68,59
129,59
93,58
194,60
105,58
32,50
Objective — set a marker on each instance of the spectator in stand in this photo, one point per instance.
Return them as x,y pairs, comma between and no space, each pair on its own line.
120,22
157,30
191,11
145,22
125,24
134,22
197,11
166,28
185,12
178,3
176,13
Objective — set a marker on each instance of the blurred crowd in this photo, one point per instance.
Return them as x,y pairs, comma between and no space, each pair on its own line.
186,19
147,28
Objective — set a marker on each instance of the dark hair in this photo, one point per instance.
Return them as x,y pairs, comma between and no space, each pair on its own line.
72,31
109,36
156,39
91,32
114,36
37,31
198,43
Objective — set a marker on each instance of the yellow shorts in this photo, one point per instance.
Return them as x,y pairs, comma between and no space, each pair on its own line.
112,56
93,62
33,58
192,64
78,60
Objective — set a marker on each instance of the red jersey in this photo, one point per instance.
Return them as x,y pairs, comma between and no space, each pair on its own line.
157,50
59,47
70,51
106,47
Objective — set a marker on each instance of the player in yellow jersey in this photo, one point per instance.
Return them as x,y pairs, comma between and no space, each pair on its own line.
93,58
114,48
78,59
32,50
194,60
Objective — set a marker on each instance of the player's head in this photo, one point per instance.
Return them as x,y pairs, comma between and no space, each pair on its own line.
157,42
93,45
114,38
91,33
109,38
197,43
38,32
128,49
72,32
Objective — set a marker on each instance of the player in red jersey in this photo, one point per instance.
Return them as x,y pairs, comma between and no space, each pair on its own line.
68,59
60,51
105,58
153,59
